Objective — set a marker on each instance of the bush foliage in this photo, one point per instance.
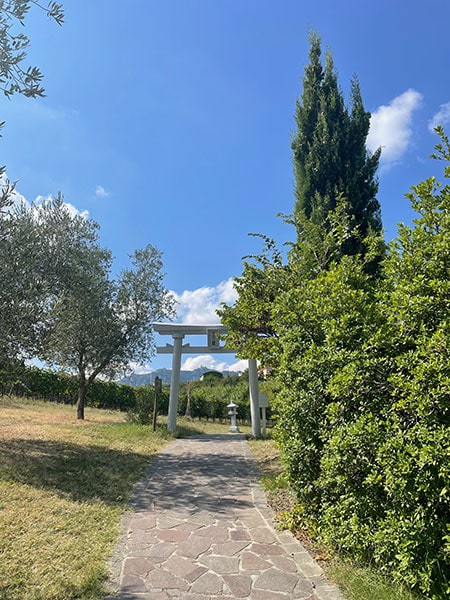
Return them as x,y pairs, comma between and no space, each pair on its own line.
364,406
61,387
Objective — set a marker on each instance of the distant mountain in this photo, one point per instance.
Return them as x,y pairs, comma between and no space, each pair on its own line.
136,380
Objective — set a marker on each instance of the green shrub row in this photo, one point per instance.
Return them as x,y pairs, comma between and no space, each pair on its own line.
48,385
209,399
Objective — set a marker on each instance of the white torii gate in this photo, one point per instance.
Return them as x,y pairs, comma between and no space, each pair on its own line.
178,331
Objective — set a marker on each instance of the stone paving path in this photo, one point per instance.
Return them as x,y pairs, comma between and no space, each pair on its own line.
200,528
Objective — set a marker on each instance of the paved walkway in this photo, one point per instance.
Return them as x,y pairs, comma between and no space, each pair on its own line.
200,528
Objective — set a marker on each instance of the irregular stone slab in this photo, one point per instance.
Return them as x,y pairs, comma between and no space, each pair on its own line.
264,535
141,521
284,563
188,526
203,518
252,562
239,535
266,549
138,566
221,564
167,522
133,584
265,595
142,536
172,535
275,580
162,550
209,584
161,579
193,546
214,532
184,567
239,585
229,548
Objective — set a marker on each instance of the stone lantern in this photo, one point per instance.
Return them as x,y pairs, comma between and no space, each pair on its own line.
233,414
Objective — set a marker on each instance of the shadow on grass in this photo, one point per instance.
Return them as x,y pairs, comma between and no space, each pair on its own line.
81,473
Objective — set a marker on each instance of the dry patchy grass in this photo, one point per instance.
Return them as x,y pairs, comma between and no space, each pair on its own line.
63,486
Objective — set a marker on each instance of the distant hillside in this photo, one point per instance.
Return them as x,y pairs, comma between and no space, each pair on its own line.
165,375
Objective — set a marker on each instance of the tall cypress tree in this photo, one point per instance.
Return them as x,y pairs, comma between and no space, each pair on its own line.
330,157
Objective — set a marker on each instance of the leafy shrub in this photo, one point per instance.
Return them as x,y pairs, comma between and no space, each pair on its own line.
142,409
364,409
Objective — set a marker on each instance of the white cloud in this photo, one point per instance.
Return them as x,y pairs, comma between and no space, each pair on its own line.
18,199
390,126
239,366
199,306
73,210
208,361
100,192
442,117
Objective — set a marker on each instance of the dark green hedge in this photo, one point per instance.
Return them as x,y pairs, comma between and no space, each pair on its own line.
60,387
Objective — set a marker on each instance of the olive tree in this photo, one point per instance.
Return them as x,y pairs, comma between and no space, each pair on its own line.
96,324
14,77
23,297
21,289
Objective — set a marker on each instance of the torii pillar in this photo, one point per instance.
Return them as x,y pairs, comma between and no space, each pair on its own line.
178,331
175,382
254,397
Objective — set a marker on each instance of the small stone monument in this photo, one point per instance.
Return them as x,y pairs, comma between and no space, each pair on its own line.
233,415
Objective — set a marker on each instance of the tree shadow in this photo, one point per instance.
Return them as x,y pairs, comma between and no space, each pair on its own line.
84,473
205,479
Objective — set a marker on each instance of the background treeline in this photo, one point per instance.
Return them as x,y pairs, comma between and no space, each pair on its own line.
209,397
61,387
204,400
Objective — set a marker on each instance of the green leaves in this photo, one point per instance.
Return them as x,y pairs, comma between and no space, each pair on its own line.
364,411
330,157
13,77
250,321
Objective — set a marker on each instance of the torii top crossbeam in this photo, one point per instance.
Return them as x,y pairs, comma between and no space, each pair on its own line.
171,328
179,330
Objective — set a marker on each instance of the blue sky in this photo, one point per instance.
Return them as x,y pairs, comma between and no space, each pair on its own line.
170,121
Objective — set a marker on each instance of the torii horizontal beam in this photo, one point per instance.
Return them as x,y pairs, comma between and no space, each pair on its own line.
188,349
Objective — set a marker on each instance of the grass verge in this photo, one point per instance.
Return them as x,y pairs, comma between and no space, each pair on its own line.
63,487
356,583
